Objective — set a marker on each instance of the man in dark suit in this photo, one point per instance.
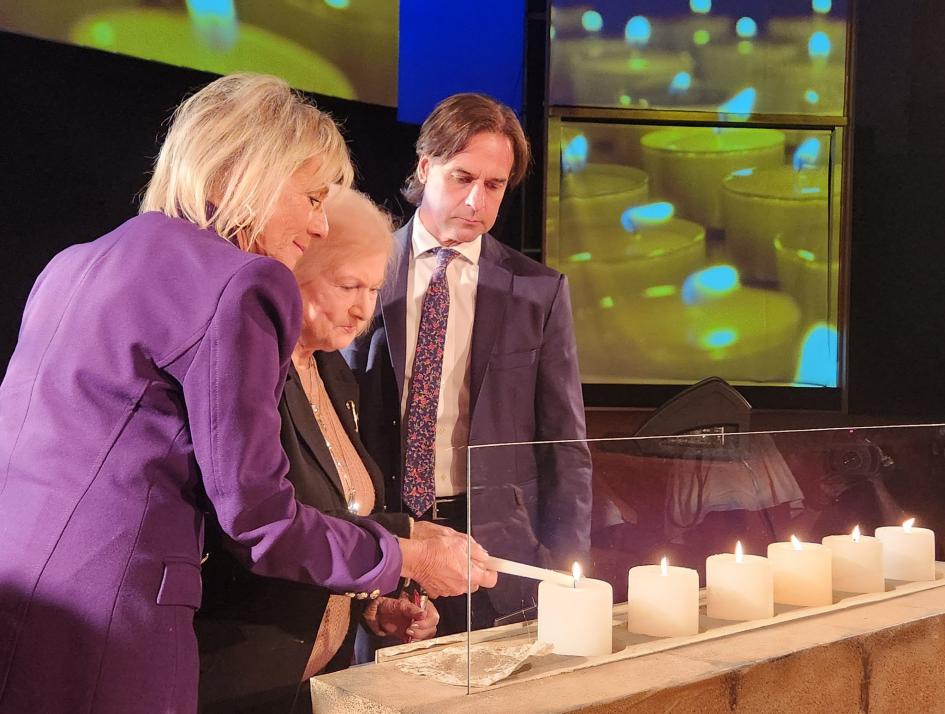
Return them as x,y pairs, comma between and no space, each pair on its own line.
473,344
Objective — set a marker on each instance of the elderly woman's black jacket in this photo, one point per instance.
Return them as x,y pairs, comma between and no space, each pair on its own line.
255,633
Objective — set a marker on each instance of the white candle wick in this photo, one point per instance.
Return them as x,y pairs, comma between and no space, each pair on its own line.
739,553
907,525
664,566
796,543
855,535
576,573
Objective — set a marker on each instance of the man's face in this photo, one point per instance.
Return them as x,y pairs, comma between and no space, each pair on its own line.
461,196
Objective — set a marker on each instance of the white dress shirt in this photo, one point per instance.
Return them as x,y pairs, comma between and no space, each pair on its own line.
452,411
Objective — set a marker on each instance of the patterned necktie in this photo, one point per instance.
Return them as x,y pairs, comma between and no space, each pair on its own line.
419,489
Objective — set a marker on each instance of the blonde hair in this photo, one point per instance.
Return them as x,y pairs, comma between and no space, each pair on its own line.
230,149
356,228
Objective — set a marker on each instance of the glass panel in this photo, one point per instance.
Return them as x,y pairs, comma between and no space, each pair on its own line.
614,504
695,251
696,54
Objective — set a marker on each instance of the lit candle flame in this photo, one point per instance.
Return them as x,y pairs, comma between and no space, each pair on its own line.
664,566
576,573
796,543
855,535
739,553
907,526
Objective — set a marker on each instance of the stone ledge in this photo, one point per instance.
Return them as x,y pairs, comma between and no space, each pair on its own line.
876,658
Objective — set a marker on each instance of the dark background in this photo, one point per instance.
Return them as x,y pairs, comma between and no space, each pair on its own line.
79,130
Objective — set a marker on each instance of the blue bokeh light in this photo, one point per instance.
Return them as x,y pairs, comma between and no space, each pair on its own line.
638,30
719,338
746,28
739,107
807,155
700,7
819,357
818,46
710,283
681,83
592,21
574,155
650,214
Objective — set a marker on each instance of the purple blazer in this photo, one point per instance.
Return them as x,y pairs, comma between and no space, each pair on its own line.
530,504
148,372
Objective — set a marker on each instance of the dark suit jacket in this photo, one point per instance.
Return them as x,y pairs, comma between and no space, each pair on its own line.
256,633
529,503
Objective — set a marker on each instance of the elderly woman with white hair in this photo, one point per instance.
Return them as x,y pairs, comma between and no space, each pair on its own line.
262,638
146,378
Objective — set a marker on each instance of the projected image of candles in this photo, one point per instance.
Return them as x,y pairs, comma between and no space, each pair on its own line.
342,48
701,248
786,203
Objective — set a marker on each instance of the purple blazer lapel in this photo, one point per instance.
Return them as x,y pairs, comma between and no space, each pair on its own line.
394,306
492,292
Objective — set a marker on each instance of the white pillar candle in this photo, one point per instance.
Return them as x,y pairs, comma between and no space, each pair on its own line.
739,587
802,573
857,563
577,619
908,552
663,601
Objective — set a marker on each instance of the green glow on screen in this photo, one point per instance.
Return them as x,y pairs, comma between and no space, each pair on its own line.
580,257
607,302
701,37
103,34
658,291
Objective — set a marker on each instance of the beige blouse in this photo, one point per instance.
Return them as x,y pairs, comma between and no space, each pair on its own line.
359,494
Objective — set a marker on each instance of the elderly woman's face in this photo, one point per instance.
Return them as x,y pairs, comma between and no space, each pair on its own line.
339,301
299,217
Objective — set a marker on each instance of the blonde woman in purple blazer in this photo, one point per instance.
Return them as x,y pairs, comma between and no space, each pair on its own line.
147,375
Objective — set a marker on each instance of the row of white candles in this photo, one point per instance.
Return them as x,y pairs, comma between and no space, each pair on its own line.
575,614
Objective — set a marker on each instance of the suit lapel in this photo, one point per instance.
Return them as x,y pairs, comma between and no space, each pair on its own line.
394,306
300,411
492,291
343,391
